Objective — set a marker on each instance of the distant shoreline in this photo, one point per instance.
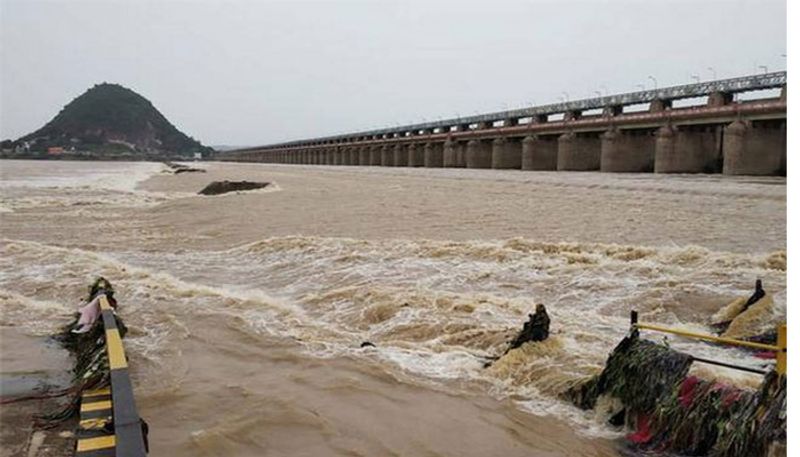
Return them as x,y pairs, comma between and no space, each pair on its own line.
93,158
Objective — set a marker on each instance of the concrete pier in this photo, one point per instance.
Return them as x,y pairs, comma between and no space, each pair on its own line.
479,154
687,150
539,154
354,153
363,155
461,154
434,155
629,151
449,155
387,156
754,151
506,153
416,155
578,153
375,155
400,155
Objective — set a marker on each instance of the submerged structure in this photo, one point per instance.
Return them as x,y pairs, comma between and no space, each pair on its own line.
646,387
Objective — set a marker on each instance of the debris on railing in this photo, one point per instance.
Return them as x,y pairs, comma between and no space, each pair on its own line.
669,411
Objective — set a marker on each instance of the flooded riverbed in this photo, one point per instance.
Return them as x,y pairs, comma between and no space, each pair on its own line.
247,311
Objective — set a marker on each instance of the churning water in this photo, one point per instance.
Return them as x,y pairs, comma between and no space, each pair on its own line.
247,311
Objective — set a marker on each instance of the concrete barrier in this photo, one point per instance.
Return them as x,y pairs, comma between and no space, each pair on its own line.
416,155
630,151
754,151
434,155
539,154
686,151
479,154
506,153
578,153
400,155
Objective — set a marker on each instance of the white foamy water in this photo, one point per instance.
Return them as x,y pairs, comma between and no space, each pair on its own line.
60,184
118,176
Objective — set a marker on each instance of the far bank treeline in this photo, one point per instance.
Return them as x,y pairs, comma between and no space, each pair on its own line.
107,121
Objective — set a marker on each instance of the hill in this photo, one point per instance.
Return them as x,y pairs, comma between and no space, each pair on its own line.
111,120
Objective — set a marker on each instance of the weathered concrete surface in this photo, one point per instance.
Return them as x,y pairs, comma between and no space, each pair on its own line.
628,151
416,155
479,154
539,154
686,151
363,155
754,151
354,153
400,155
450,154
461,154
434,155
719,99
506,153
375,155
578,153
387,156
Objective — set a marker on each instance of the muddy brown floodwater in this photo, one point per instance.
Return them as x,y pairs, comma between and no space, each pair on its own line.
247,310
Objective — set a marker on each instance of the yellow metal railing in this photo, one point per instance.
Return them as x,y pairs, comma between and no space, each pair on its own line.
779,349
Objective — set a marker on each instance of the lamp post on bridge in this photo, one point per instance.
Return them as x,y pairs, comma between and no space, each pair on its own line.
655,83
713,72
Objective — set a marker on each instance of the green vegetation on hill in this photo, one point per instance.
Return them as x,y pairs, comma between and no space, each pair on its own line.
111,119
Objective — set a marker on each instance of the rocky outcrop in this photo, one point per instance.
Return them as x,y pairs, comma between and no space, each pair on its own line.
178,168
223,187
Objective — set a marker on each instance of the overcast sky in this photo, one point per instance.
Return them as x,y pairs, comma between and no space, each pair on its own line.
247,72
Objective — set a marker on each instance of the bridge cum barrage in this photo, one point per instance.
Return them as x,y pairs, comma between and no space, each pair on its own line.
718,135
